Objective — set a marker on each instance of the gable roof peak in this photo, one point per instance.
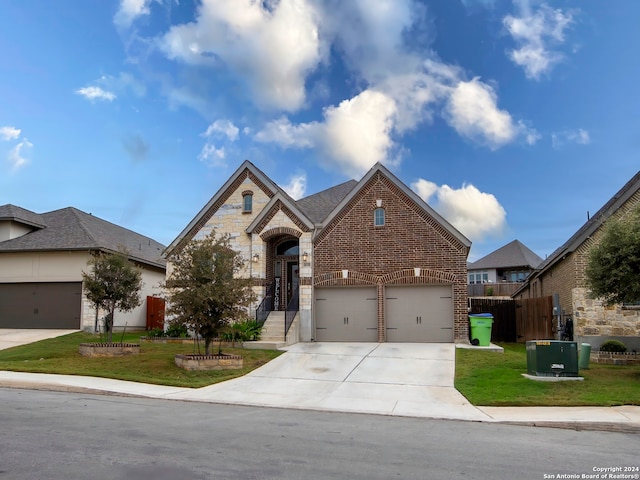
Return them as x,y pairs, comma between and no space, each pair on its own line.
513,254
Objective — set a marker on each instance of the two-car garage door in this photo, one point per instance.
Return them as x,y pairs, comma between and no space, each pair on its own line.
412,314
40,305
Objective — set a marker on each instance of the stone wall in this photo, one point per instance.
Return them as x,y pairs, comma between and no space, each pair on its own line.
594,323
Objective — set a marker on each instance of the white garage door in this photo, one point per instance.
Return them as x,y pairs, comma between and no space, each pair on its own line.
346,314
419,313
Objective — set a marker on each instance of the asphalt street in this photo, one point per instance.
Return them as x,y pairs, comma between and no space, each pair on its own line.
57,435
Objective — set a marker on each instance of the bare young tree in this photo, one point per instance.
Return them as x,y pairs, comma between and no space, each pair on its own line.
113,284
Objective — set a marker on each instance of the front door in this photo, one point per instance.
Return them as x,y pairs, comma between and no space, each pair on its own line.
293,279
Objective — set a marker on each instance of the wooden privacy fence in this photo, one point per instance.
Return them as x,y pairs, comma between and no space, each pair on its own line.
517,320
534,319
504,317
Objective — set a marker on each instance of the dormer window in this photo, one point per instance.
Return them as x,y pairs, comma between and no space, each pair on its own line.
378,217
247,202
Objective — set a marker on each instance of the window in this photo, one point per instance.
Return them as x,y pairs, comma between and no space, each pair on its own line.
290,247
478,277
378,217
247,202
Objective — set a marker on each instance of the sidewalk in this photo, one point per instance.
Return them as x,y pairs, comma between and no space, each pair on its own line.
321,396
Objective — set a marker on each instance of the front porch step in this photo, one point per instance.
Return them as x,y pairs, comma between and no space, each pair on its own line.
273,329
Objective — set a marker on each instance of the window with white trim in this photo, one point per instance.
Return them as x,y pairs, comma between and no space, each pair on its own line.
378,217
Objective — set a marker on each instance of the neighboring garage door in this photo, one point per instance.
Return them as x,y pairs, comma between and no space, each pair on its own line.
40,305
347,314
419,313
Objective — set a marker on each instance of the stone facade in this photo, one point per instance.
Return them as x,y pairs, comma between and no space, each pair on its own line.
594,323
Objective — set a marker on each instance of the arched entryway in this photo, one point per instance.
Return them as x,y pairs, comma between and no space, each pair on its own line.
283,269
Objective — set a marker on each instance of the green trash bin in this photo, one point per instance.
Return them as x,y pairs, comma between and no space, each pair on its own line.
481,324
585,354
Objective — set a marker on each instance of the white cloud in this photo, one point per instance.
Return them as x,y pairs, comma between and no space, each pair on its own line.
212,156
271,45
472,110
579,136
96,93
536,33
18,155
353,136
130,10
297,186
357,132
474,213
224,127
121,83
9,133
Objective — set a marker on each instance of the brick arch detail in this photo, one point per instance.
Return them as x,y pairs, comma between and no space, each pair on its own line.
427,275
274,232
354,278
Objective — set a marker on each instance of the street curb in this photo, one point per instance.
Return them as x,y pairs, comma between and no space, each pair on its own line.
611,427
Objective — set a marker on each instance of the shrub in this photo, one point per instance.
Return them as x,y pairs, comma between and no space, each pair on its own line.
242,331
613,346
155,332
177,330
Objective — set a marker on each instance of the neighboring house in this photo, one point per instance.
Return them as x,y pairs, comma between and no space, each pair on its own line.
563,273
364,261
42,257
508,265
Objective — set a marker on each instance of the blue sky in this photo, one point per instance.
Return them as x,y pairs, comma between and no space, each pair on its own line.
511,119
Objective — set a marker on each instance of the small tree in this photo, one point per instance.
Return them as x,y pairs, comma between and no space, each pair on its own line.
113,283
202,290
613,269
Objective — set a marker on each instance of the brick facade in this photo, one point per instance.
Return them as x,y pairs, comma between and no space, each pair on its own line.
374,255
389,254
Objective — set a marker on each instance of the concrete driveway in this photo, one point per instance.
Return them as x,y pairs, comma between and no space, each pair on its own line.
12,337
407,379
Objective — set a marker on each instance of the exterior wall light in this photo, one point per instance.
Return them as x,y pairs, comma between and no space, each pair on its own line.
305,256
255,258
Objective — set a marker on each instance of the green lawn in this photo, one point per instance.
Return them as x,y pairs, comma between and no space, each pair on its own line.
484,378
155,364
495,379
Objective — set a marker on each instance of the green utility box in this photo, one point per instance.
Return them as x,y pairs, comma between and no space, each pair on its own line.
481,324
552,358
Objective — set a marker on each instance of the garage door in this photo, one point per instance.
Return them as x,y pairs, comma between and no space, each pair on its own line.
40,305
419,313
347,314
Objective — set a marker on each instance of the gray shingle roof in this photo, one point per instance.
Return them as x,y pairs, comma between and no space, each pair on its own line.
514,254
18,214
321,204
72,229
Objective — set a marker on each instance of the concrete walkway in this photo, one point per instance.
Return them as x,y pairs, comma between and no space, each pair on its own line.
409,380
13,337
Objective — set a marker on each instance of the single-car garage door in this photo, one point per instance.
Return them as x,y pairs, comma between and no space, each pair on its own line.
347,314
40,305
419,313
